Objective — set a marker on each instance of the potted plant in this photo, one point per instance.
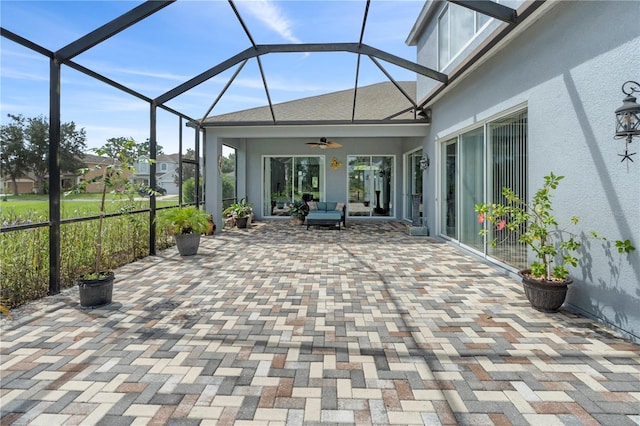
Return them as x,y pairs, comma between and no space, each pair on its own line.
297,212
546,280
239,212
96,287
186,224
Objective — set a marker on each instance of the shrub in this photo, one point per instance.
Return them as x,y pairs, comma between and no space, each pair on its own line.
24,254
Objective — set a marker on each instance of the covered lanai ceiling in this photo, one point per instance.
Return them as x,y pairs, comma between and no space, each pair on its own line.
281,50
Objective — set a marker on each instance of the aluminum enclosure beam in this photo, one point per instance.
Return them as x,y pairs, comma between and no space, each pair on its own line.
54,176
264,49
490,8
355,86
26,43
110,29
403,122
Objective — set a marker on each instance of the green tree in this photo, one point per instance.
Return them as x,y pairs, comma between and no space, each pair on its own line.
35,133
229,163
73,145
136,151
228,187
189,191
188,170
145,147
13,151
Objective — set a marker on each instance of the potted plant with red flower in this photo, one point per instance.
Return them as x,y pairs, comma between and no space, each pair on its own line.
546,280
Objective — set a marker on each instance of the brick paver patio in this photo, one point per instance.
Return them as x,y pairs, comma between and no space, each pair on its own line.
280,325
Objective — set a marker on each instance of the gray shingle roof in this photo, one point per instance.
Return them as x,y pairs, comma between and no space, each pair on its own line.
375,102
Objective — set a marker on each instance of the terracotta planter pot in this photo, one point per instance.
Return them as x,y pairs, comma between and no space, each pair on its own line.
545,296
97,292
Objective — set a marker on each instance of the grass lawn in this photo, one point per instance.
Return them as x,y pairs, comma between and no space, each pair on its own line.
36,207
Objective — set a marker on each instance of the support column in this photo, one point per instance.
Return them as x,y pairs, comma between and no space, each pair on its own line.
54,176
153,145
197,166
212,148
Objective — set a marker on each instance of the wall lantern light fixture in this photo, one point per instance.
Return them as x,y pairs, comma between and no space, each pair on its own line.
424,162
628,118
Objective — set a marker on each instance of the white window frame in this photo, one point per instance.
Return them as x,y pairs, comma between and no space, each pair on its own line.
440,143
405,184
393,186
476,31
323,177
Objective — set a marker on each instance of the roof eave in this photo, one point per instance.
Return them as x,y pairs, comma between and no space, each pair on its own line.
424,17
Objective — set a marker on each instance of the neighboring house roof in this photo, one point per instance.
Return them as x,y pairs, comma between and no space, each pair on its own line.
168,158
94,159
167,176
380,101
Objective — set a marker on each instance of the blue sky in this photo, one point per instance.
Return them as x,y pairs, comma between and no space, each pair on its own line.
181,41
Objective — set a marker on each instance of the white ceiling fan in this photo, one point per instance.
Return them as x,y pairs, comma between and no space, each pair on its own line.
325,144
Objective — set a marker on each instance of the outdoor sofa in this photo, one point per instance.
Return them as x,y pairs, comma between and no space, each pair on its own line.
326,213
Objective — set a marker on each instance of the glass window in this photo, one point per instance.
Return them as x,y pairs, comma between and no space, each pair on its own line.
474,170
457,25
471,186
449,189
481,20
443,39
286,179
413,183
507,168
371,182
228,172
461,28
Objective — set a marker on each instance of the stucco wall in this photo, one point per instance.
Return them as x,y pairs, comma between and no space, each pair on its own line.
335,180
567,69
427,42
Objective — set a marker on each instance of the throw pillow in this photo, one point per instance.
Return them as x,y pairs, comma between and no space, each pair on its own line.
312,205
339,207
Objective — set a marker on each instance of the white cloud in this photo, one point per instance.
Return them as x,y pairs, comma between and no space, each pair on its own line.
272,17
23,75
164,76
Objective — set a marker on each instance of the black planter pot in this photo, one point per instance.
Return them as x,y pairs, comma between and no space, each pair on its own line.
97,292
241,222
545,296
187,244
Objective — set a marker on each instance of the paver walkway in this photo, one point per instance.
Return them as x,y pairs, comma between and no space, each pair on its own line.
280,325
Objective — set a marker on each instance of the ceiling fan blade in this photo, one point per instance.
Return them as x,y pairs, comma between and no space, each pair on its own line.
325,144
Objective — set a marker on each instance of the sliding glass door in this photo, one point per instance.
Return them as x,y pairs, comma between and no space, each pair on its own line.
371,182
507,145
286,179
475,169
471,187
449,189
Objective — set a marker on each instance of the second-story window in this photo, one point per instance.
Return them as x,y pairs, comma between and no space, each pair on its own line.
163,167
457,25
